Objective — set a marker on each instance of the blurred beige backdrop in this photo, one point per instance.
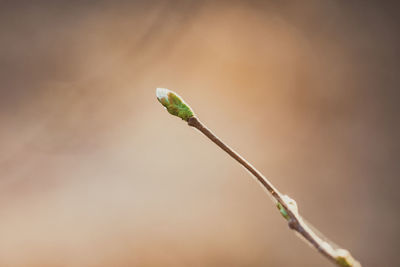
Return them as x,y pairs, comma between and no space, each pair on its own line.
93,171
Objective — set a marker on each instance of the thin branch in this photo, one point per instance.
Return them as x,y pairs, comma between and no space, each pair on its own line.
287,206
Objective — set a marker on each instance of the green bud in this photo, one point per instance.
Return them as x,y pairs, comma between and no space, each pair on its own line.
344,258
282,211
290,203
174,104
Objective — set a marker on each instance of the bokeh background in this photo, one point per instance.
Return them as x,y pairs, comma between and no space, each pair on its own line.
93,171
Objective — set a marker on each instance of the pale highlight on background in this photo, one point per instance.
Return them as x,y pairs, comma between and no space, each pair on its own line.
93,171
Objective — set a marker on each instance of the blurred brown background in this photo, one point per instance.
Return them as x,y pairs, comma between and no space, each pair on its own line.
93,171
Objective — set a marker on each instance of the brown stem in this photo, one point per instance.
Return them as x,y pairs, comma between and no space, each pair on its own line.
338,256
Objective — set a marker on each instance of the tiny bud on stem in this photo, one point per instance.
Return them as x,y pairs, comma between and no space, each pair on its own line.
174,104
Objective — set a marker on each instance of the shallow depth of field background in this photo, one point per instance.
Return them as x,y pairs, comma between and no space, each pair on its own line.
93,171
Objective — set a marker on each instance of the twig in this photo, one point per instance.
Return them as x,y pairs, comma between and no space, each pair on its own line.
287,206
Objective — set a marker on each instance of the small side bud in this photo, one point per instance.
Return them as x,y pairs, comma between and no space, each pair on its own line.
282,211
174,104
290,203
345,259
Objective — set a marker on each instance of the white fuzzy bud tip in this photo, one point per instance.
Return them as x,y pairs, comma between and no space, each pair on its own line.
162,93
